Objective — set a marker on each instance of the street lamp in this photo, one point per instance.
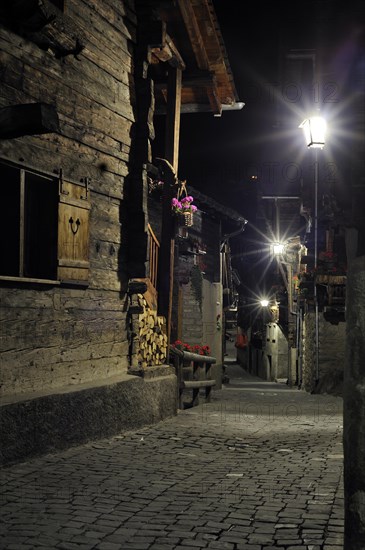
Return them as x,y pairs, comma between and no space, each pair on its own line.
278,248
314,129
264,302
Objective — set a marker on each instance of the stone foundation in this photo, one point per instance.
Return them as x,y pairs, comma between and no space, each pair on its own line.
46,423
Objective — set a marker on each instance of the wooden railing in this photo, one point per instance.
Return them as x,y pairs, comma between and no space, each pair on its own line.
194,366
154,247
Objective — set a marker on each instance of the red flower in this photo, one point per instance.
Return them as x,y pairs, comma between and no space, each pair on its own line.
200,350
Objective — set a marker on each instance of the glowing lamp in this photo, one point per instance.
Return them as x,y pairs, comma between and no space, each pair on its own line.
314,129
278,248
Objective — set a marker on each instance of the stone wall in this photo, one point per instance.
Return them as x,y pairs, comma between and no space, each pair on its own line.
332,341
332,344
309,352
192,317
36,425
276,351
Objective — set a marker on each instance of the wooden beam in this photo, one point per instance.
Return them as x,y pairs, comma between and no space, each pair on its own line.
205,80
166,256
160,44
199,79
214,100
192,26
28,119
167,51
173,117
169,166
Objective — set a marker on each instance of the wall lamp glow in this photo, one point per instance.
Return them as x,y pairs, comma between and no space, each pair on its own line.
264,303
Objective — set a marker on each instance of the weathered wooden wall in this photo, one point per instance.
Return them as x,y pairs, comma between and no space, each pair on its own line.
52,336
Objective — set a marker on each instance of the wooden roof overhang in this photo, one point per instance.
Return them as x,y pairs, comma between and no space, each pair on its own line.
190,38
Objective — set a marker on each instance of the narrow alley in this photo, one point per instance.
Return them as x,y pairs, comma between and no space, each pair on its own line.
258,468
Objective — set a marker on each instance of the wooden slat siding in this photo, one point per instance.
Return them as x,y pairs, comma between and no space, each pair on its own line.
154,246
60,337
106,91
96,20
82,113
68,335
45,153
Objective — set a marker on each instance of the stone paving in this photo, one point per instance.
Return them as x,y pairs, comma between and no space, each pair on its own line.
258,468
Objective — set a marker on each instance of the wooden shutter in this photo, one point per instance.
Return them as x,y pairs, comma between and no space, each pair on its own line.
73,232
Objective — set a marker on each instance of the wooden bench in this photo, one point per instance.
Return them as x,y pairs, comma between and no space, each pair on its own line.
199,368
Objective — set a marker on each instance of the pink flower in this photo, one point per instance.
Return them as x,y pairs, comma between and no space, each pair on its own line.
184,206
176,203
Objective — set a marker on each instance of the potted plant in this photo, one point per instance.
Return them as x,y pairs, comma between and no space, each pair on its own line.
184,207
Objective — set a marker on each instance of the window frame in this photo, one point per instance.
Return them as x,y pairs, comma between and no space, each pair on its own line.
59,182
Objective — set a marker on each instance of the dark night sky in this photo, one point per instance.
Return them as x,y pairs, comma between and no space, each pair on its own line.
219,155
224,152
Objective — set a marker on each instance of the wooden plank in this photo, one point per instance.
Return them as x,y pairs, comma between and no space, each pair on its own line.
173,118
82,79
97,304
54,374
188,356
73,233
73,263
107,16
214,100
49,328
166,256
51,156
167,51
29,280
73,119
180,311
98,16
192,26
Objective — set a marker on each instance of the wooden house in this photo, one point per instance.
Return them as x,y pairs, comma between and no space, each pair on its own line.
79,266
205,286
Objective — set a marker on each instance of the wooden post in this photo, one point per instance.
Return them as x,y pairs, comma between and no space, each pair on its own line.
166,263
173,117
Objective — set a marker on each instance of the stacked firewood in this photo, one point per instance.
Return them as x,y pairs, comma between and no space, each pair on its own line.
152,336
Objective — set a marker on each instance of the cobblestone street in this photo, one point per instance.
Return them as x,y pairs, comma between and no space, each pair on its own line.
260,467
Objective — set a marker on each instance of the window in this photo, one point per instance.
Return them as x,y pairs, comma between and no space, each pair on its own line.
44,230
